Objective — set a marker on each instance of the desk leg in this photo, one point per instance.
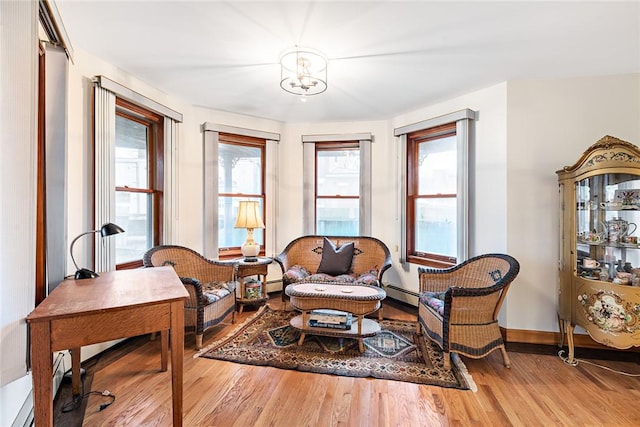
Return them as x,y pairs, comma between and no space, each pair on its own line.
42,371
164,350
76,378
177,359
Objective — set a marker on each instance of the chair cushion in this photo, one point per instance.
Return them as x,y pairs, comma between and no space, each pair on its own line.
295,274
368,278
435,300
336,261
324,277
215,291
298,273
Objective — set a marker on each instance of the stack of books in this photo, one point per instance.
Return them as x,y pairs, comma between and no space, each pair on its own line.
330,319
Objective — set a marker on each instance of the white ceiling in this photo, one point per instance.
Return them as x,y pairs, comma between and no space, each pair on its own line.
385,57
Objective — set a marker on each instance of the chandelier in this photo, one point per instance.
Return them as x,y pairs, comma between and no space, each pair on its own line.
303,71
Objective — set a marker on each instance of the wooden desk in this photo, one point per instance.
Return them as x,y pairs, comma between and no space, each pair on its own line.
117,304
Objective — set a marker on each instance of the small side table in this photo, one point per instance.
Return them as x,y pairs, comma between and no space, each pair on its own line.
248,269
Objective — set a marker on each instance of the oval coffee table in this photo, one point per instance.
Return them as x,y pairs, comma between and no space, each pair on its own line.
358,300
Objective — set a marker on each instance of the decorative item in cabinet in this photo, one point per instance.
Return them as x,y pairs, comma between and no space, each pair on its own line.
599,259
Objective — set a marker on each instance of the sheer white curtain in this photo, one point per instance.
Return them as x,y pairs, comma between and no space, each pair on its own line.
18,166
171,196
104,174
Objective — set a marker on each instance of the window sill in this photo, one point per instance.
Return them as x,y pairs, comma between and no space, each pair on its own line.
430,262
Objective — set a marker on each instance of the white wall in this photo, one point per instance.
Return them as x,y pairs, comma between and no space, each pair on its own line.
550,124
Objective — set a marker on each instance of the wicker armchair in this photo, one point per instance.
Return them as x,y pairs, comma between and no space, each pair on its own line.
458,307
211,286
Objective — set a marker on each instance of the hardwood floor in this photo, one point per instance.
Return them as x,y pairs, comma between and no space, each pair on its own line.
538,390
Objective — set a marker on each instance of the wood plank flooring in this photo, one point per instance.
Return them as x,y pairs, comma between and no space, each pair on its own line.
538,390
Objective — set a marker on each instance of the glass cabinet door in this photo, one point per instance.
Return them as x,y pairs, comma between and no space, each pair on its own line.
607,214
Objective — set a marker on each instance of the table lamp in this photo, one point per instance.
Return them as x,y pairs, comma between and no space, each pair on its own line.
249,217
107,229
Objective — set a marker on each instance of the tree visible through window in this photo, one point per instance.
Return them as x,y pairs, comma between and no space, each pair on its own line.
139,180
337,188
432,173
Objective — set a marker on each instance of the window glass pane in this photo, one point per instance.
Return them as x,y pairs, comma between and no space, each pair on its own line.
338,172
435,226
131,165
240,169
134,215
337,217
228,236
437,166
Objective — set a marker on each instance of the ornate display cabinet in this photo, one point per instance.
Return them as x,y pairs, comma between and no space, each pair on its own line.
599,253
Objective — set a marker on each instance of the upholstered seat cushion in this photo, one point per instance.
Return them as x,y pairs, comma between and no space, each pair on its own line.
435,300
298,273
215,291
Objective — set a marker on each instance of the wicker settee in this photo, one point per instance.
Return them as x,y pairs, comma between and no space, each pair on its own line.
302,258
458,306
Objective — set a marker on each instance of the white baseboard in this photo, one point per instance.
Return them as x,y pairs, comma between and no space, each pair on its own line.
24,418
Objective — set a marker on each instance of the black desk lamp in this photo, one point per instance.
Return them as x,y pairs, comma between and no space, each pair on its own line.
107,229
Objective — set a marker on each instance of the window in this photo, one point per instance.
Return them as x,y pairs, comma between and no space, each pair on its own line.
337,184
241,176
138,190
432,194
235,169
337,189
138,182
434,197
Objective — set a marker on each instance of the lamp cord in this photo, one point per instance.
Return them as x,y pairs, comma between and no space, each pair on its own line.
565,359
77,400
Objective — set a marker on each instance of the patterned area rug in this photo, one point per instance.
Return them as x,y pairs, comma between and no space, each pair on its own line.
396,353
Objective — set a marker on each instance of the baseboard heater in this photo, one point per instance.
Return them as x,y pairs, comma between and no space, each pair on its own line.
404,291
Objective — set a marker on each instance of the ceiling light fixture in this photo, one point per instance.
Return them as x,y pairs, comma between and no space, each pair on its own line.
303,71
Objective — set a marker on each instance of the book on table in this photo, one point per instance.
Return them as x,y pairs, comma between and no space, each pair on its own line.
325,318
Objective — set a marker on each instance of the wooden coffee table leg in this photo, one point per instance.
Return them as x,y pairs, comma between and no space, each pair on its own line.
360,340
301,340
304,325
